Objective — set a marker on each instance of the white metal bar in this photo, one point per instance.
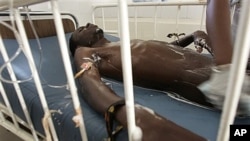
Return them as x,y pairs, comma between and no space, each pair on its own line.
3,93
18,89
34,71
7,103
103,20
136,23
111,31
20,133
237,72
177,19
2,119
4,4
119,24
24,134
68,67
93,17
170,3
127,69
155,20
232,12
149,4
202,16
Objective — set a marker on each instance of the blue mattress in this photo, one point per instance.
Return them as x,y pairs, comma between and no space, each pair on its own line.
201,121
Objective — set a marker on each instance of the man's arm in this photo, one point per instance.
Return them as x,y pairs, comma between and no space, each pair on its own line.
218,28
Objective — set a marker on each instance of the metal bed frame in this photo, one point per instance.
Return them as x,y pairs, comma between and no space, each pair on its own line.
42,13
135,17
242,47
50,130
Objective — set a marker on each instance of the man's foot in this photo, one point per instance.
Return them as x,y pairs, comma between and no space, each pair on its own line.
215,89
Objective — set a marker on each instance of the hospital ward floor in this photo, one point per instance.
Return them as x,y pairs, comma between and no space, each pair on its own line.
6,135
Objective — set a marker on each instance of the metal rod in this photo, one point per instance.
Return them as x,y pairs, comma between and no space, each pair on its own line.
42,13
148,4
155,21
18,90
186,3
177,19
2,91
202,16
103,20
127,68
34,70
93,16
237,73
4,4
136,23
68,67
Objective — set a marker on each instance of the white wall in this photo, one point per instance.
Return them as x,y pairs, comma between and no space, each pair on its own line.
82,9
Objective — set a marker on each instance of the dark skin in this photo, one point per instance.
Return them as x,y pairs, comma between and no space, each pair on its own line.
100,97
156,64
218,29
173,68
183,75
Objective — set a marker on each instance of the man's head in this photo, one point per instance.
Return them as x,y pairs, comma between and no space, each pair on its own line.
85,36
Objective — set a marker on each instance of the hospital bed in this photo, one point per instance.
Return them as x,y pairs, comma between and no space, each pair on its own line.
39,98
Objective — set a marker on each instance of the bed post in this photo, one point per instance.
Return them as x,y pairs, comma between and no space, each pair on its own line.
237,73
68,69
134,132
35,73
18,92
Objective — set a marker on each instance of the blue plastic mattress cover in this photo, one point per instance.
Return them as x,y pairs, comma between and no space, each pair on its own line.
199,120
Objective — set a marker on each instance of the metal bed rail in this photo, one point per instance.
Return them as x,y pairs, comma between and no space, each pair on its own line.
240,57
155,11
237,73
19,94
134,132
22,129
50,133
5,4
42,13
